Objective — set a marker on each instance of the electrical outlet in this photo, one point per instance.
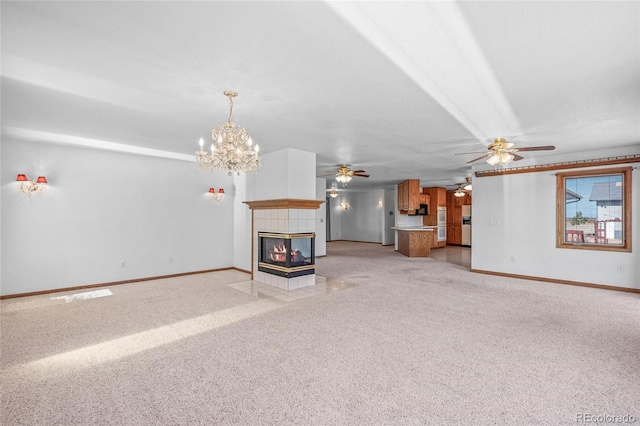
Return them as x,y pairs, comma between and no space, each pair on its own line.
170,259
513,259
123,264
494,222
620,267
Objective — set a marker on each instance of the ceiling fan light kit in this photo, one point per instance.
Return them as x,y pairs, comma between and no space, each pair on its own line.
500,152
468,186
344,174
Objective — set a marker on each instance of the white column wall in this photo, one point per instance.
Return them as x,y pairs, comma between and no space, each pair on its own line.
389,217
321,218
289,173
241,224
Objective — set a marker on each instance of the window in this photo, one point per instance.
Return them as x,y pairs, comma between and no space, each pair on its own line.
594,209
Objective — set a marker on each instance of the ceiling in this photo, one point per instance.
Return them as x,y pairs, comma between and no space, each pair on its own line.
395,88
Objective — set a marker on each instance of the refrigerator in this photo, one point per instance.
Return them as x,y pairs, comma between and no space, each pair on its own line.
466,225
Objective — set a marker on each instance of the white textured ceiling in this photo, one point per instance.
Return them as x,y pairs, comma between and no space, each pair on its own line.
395,88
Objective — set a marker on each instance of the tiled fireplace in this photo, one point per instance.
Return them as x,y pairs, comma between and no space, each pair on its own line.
283,243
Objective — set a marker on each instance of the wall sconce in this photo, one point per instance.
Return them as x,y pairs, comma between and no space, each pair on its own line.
345,205
379,203
216,196
31,187
333,193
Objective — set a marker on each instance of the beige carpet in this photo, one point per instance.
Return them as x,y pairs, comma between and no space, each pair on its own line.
397,340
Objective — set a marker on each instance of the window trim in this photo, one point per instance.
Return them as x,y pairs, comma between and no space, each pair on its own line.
626,207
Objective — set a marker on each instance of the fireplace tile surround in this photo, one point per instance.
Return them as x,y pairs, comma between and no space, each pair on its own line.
281,216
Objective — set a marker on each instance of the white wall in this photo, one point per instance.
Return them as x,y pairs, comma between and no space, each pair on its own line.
522,210
335,213
389,213
362,221
321,218
105,207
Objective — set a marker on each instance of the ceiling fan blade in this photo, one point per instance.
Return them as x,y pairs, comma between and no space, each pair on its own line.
360,175
538,148
517,157
479,158
359,171
474,152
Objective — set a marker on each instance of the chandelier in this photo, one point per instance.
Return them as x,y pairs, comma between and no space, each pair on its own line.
232,148
31,187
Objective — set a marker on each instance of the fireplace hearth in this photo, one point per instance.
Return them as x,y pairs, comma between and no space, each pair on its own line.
286,255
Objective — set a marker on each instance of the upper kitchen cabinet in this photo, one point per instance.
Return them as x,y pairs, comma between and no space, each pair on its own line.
409,196
437,197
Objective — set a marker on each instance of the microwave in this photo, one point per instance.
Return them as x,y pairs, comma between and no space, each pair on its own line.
423,210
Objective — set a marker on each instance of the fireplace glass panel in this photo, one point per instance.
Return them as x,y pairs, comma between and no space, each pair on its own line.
274,250
289,256
301,252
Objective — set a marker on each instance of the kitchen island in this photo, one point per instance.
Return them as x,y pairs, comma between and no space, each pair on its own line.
415,241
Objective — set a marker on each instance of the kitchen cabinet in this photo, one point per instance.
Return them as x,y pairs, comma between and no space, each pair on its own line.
437,198
415,242
434,239
454,216
409,196
454,234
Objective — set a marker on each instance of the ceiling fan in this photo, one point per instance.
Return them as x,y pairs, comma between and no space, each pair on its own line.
502,152
344,174
462,188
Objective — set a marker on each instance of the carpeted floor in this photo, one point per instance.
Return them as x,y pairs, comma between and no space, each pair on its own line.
396,340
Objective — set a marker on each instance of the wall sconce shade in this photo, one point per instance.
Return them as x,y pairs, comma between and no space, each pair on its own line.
41,179
22,178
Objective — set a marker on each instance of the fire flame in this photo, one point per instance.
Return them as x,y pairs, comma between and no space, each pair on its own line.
278,253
